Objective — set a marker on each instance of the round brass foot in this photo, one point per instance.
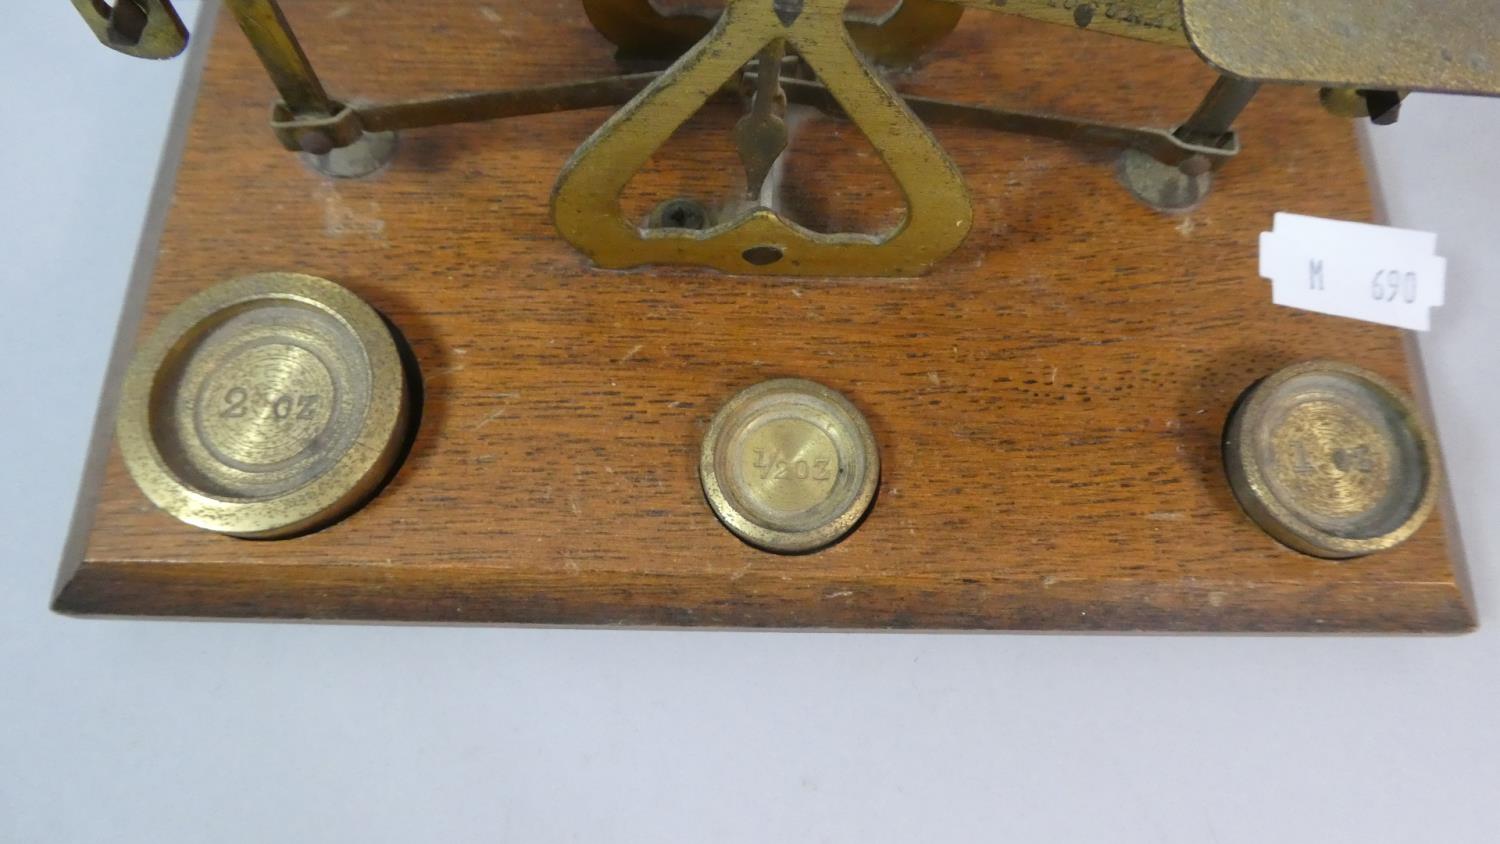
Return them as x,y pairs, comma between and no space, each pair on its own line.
364,157
1165,187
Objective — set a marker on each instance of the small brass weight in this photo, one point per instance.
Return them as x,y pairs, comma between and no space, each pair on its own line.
789,465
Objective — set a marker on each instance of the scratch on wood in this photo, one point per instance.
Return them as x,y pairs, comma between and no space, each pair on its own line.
342,219
499,411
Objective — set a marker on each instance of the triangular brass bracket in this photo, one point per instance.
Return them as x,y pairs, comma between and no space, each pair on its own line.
586,202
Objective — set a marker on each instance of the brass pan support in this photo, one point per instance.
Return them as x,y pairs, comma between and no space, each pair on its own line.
305,108
307,119
614,91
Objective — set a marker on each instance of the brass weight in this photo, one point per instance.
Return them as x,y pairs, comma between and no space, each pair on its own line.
1331,460
789,465
264,407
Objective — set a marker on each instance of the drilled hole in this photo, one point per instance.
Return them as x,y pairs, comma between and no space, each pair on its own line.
680,214
762,256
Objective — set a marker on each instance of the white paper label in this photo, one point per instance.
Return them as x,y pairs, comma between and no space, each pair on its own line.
1357,270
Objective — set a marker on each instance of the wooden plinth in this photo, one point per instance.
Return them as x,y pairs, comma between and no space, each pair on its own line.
1048,402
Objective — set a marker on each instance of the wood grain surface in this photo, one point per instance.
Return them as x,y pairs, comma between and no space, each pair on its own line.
1048,402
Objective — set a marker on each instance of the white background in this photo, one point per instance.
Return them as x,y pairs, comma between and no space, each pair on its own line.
195,731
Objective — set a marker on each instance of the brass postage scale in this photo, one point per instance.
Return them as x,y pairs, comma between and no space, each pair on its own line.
774,313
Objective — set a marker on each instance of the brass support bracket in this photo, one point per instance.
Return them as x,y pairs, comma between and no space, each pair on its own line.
146,29
614,91
1175,185
1164,145
586,202
316,134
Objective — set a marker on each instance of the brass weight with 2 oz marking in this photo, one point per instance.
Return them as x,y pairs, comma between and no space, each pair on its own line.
265,406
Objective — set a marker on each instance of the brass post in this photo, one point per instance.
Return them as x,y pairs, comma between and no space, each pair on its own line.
1221,106
288,67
